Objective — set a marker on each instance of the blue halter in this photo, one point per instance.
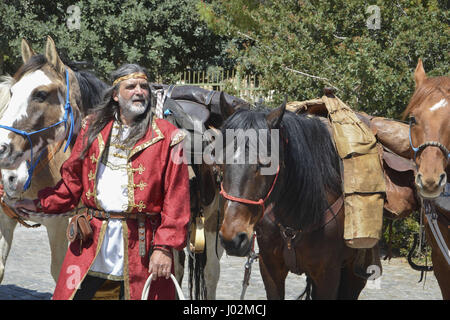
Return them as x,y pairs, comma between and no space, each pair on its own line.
67,114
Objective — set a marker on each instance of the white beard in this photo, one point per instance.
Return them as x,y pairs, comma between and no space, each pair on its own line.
132,109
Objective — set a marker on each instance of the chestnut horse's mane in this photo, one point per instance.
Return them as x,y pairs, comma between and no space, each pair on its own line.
426,88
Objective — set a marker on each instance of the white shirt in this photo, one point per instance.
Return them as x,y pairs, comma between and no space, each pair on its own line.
112,195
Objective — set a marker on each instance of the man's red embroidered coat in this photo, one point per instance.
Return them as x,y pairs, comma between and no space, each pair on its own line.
155,184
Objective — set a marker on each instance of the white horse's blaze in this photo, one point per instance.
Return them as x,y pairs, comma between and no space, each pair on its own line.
441,104
14,180
20,95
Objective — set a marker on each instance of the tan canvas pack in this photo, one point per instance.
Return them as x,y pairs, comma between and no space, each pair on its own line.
364,186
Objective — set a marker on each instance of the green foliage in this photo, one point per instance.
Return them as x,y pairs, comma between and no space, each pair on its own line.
299,47
402,237
164,36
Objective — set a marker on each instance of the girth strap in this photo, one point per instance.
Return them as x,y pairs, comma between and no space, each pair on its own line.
290,234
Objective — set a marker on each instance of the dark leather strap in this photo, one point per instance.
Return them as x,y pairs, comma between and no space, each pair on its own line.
100,214
329,214
140,217
289,234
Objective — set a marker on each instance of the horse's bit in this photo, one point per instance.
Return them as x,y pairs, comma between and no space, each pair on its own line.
420,148
68,114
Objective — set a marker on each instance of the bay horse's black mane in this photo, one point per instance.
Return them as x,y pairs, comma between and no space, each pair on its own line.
310,169
91,87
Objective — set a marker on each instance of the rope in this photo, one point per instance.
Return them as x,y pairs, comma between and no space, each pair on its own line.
160,97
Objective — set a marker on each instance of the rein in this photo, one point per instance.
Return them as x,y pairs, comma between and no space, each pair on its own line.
67,114
420,148
260,202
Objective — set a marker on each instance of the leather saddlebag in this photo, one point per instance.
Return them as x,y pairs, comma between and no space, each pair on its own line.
79,228
400,200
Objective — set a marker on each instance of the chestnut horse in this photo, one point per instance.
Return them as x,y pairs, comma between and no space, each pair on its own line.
41,108
429,117
299,218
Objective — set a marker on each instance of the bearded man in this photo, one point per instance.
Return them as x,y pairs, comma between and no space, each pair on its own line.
138,198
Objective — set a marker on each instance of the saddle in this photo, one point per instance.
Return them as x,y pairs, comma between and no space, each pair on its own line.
194,109
362,175
187,104
395,154
399,169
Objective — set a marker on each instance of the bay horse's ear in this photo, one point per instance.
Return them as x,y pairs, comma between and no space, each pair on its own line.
27,52
225,108
419,74
274,118
52,55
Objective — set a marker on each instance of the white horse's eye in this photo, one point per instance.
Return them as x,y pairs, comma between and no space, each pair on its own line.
40,96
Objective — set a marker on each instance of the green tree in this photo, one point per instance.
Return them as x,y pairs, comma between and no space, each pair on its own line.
164,36
299,47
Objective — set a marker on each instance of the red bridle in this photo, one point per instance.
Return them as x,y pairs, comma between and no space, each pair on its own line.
260,202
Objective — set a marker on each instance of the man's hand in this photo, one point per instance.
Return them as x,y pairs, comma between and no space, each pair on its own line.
160,264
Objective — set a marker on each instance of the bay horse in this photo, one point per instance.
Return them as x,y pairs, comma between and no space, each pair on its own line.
299,218
429,136
41,108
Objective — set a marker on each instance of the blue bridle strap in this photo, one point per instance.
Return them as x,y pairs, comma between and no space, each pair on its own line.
68,113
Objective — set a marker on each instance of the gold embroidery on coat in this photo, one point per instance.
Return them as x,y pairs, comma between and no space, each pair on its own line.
159,136
89,194
140,206
140,169
101,148
141,185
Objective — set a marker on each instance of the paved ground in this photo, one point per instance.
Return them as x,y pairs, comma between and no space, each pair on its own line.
28,277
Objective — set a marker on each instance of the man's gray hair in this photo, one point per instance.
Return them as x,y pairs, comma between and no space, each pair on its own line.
108,110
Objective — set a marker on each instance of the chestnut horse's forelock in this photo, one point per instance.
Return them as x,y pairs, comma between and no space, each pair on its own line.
428,87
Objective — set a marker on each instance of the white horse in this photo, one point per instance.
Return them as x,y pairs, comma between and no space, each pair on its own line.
32,86
32,100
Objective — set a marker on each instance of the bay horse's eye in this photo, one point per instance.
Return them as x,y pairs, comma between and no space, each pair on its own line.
40,96
412,120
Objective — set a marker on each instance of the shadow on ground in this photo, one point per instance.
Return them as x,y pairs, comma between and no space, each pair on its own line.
13,292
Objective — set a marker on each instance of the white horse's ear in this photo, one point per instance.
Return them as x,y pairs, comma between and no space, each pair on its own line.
27,52
52,55
419,74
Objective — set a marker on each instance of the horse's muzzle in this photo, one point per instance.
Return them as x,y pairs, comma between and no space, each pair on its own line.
430,189
239,246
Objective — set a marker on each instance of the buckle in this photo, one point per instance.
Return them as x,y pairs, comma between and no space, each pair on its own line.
290,233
